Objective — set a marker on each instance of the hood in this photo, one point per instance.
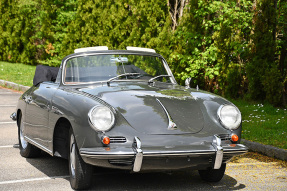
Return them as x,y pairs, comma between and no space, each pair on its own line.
152,109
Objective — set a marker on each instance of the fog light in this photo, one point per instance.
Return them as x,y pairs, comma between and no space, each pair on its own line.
106,140
234,138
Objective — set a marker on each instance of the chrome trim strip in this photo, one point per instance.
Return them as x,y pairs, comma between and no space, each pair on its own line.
219,152
139,155
38,145
239,148
179,153
235,151
116,156
112,155
171,124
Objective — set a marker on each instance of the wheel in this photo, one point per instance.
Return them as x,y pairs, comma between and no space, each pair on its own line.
26,149
80,172
213,175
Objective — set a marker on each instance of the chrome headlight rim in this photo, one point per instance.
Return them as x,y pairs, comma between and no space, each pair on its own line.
237,123
97,127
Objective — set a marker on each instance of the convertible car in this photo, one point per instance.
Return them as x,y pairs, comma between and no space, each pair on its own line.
123,109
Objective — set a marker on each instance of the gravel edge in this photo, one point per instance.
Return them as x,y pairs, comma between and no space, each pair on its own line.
268,150
253,146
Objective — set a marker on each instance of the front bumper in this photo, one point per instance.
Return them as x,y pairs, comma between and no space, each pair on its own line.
213,155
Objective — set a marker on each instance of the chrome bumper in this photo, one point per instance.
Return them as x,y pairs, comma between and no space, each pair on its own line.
138,153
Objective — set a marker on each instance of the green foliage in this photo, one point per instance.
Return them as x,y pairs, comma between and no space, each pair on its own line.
32,30
263,72
213,42
116,24
281,49
273,85
234,82
263,49
234,48
56,19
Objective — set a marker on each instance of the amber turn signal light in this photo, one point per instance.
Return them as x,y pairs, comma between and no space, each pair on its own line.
234,138
106,140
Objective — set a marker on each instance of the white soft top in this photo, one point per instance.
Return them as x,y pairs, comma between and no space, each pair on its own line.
97,48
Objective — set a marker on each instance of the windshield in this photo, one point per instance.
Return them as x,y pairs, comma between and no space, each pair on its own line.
94,68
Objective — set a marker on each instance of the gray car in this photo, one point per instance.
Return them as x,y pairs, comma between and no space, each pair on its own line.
123,109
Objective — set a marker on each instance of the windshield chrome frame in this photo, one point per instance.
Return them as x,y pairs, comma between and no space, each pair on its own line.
108,52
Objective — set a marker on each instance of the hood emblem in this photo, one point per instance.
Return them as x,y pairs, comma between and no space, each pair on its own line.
171,124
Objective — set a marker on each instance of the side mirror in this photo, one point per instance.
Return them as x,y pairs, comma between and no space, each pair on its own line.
14,116
187,82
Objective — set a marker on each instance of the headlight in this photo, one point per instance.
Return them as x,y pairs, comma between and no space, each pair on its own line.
101,118
229,116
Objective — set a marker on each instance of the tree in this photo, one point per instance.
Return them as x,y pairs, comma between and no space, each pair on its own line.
265,71
212,45
281,37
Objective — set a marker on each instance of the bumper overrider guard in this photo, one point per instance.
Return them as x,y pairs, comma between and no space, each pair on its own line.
136,152
219,152
139,155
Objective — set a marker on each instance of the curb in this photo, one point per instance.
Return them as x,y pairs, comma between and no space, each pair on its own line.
266,149
253,146
13,85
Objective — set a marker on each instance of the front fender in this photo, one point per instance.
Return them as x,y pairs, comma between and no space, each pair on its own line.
74,106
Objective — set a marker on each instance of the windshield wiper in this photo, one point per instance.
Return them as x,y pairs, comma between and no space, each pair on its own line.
160,76
126,74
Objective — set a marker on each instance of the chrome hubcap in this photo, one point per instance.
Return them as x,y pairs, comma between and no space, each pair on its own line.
72,155
22,140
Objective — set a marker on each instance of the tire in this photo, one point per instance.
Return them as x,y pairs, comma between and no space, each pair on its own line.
27,150
213,175
80,172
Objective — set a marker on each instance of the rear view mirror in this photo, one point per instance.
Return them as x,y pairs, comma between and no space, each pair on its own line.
119,60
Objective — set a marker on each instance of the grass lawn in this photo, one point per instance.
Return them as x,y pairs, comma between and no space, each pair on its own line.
261,122
18,73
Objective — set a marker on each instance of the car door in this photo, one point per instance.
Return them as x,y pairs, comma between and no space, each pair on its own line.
37,112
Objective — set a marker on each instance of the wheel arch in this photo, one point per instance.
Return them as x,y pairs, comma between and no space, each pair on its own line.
61,138
18,117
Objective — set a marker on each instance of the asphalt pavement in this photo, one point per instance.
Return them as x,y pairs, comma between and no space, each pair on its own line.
51,173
